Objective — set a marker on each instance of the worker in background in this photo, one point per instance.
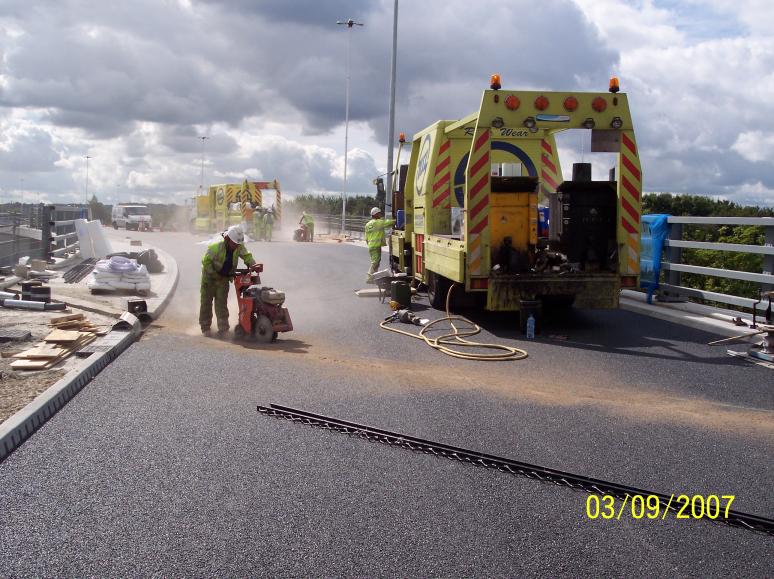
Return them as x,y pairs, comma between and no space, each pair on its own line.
268,223
218,265
308,221
258,224
374,232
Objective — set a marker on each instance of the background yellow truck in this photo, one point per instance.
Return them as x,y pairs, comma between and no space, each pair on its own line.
471,203
226,204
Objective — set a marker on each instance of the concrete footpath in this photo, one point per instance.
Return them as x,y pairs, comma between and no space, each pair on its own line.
698,316
110,310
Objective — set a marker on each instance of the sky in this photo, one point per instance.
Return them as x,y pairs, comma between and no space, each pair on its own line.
134,85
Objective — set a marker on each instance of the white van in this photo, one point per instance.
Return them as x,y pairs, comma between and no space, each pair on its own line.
132,217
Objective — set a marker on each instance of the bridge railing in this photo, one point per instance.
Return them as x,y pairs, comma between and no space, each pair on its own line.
38,231
674,265
354,225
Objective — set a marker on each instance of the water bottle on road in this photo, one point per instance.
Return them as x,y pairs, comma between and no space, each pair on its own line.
531,327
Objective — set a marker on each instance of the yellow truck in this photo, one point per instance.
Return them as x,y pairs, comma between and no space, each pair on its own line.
471,201
230,203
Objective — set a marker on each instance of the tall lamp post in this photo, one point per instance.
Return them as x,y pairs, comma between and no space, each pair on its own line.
87,157
201,179
391,130
349,24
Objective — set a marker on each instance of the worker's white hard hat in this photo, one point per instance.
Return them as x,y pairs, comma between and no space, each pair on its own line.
235,234
375,211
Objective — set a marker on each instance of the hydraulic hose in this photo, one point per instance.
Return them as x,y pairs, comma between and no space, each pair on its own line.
457,337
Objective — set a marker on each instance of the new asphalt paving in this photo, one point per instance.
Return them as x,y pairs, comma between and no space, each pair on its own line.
162,467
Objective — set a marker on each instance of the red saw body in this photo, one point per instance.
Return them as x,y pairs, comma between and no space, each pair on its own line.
261,315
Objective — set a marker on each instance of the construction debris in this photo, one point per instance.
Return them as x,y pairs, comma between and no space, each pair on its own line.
80,271
56,347
76,322
14,335
119,273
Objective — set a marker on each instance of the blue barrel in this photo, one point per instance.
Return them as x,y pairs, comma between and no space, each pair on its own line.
400,219
542,221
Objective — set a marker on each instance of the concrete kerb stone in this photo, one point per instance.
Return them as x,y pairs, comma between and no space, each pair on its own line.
157,304
19,427
698,316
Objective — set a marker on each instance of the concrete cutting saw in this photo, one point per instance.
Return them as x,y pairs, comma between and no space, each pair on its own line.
261,315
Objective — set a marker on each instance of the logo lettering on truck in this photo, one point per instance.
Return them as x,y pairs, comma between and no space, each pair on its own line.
424,158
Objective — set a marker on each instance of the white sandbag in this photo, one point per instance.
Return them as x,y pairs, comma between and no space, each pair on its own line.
91,239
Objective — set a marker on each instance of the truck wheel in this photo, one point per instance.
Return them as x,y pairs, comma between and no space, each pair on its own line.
437,289
115,225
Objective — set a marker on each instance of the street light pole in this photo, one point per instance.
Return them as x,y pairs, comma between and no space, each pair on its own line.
87,157
391,130
201,180
349,24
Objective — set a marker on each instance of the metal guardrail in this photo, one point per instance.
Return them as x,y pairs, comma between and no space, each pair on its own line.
674,265
59,228
38,231
354,226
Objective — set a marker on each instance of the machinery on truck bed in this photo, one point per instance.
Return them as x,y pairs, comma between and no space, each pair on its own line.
471,194
231,203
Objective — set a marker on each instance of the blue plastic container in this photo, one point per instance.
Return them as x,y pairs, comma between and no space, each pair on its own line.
542,221
400,219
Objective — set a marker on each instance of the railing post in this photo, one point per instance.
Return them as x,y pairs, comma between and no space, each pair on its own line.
46,224
768,260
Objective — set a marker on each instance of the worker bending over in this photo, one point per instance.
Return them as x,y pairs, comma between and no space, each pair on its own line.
307,221
218,265
374,232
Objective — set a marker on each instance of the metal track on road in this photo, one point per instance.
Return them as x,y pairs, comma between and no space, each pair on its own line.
595,486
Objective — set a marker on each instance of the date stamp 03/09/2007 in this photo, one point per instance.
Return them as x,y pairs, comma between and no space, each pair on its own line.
655,507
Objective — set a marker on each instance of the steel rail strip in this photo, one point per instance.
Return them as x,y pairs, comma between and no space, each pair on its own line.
590,485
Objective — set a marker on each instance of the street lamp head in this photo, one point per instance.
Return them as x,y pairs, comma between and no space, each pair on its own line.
349,23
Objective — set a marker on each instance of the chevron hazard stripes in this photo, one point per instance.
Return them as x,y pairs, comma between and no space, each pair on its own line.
630,192
478,195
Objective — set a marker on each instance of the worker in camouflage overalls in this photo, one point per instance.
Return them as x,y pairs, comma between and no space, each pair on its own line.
218,265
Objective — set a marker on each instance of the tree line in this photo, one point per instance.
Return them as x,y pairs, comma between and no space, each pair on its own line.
700,206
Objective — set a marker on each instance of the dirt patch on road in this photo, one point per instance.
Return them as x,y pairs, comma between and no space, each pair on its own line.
601,390
520,381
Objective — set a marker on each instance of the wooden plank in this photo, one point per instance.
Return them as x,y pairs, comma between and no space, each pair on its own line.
68,318
63,336
29,364
46,351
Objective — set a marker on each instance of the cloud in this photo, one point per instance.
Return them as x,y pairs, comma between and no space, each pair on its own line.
755,146
136,84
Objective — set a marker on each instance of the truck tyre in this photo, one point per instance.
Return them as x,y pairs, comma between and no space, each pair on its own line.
115,225
437,289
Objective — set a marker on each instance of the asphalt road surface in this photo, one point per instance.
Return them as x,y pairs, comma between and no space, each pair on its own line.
162,467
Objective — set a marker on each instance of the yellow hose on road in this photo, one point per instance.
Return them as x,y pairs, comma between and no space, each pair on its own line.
457,338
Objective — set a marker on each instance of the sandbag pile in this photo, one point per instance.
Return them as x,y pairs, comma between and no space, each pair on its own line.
119,273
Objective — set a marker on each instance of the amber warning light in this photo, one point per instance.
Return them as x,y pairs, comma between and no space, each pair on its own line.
614,85
494,82
402,138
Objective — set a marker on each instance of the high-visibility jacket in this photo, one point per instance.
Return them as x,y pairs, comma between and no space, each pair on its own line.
374,231
307,219
213,259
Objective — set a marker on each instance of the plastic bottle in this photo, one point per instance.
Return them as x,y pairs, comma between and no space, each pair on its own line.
531,327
